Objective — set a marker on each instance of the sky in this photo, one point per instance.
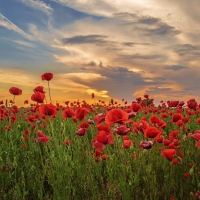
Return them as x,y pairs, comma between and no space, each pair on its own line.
119,49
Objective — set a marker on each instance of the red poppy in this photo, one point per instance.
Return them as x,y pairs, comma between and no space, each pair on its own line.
155,119
98,145
197,144
38,97
116,116
26,132
69,112
42,137
140,125
122,130
166,142
97,152
151,132
164,115
176,117
26,102
192,104
15,91
47,109
146,144
198,120
66,142
196,135
173,134
81,113
102,137
185,120
146,96
100,117
186,175
103,127
168,153
135,107
39,89
127,143
93,95
47,76
173,103
84,125
104,157
81,131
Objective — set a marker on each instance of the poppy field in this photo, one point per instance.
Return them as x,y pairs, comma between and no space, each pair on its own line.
99,151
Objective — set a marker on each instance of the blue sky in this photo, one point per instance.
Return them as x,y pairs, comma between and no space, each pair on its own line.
116,49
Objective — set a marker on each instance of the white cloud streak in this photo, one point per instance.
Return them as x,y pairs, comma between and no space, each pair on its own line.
5,22
38,5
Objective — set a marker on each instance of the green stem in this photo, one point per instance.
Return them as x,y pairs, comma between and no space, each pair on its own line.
49,92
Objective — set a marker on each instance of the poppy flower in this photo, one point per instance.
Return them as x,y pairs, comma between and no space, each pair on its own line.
25,101
47,76
39,89
197,144
66,142
26,132
146,96
135,107
97,152
38,97
15,91
127,143
140,125
186,175
196,135
198,120
99,117
166,142
98,145
93,95
154,119
102,137
42,137
47,109
67,113
173,103
176,117
151,132
116,116
164,115
104,157
146,144
122,130
81,131
81,113
192,104
168,153
84,125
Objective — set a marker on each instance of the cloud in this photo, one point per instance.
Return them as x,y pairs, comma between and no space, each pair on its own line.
5,22
23,43
38,5
101,8
175,67
187,51
87,39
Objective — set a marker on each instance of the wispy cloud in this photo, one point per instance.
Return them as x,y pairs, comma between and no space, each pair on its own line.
5,22
38,5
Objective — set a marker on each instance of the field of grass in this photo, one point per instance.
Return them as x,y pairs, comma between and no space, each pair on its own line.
100,151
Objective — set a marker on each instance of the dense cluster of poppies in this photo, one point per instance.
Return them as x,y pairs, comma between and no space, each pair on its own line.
141,117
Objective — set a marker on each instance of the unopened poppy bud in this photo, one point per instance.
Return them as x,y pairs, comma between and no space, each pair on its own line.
191,171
